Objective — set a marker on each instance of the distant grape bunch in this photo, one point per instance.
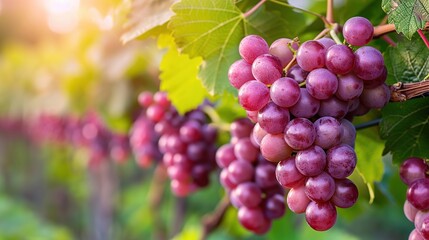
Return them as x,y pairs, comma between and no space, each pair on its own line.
414,172
186,144
301,114
250,180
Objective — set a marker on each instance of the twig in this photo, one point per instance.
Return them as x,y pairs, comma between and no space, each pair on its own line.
330,11
422,35
368,124
212,221
388,40
253,9
400,92
387,28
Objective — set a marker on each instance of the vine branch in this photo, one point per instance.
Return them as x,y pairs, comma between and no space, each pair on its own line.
330,11
368,124
213,220
423,37
253,9
400,92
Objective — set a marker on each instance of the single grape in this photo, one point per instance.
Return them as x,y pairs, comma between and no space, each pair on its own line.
376,97
247,217
311,55
320,188
333,107
341,161
244,149
161,99
285,92
410,211
225,180
415,235
225,155
306,107
321,83
297,73
328,132
258,134
349,133
251,47
418,194
346,193
349,87
241,128
200,175
311,161
326,42
253,95
377,81
424,230
281,48
182,189
267,69
274,206
300,133
369,63
191,131
321,216
274,148
358,31
252,115
297,200
240,171
420,218
249,194
287,174
239,73
145,99
339,59
265,175
412,169
273,119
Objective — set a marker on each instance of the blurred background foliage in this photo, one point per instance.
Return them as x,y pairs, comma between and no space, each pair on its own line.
48,191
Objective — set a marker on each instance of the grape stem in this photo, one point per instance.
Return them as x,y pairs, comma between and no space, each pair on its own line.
213,220
423,37
400,92
330,11
253,9
216,120
368,124
334,35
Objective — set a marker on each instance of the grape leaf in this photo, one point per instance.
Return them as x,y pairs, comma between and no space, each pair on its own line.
405,126
178,73
147,16
408,62
407,15
213,30
369,150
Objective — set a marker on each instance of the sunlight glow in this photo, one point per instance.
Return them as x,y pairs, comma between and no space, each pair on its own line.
63,15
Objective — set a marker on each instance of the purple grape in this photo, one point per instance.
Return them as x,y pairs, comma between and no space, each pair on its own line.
419,220
306,107
311,161
321,216
376,97
182,189
418,194
415,235
368,84
321,83
274,148
412,169
247,217
358,31
300,133
311,55
287,174
244,149
410,211
326,42
225,155
349,133
349,87
155,113
285,92
251,47
265,175
252,115
180,173
280,48
273,119
297,200
200,175
320,188
333,107
239,73
161,99
225,180
241,128
297,73
253,95
341,161
258,134
240,171
267,69
248,194
274,206
369,63
191,131
424,229
346,193
339,59
145,99
328,132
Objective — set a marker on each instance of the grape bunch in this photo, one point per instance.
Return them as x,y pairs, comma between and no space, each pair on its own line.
250,180
414,172
301,114
185,144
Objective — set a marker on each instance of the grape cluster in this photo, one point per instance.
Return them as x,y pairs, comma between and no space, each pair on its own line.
250,180
185,144
414,172
301,115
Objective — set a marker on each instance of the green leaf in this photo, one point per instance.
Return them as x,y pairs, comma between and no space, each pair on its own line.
405,126
147,18
369,150
214,29
407,15
179,77
408,61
